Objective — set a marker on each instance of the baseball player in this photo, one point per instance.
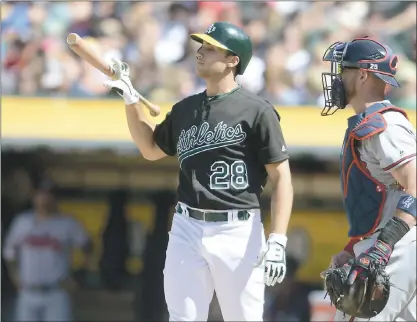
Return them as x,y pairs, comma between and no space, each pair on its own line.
37,250
374,277
228,141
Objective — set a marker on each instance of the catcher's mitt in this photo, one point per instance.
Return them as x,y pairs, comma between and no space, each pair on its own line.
366,297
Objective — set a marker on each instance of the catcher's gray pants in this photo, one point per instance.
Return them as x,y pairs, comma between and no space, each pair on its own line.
401,268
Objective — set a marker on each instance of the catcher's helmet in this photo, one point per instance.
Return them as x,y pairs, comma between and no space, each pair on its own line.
361,53
229,37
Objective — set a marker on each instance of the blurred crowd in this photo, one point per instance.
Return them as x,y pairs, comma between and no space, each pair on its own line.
289,39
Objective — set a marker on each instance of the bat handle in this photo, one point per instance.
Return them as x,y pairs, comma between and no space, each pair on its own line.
154,110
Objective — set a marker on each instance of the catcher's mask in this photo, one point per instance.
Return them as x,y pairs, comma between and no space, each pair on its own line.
361,53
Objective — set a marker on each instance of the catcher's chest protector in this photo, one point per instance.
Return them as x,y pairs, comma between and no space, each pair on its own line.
364,196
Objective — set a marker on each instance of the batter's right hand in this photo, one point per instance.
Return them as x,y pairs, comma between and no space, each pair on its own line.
338,260
121,69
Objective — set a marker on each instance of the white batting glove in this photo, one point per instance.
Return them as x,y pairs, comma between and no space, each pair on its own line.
121,83
273,259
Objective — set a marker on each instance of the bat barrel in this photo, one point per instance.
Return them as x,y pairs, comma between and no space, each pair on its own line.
91,56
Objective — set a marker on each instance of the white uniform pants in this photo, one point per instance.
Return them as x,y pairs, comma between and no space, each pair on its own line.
43,306
401,268
205,256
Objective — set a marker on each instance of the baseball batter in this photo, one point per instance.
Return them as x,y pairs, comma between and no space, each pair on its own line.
37,250
378,178
228,141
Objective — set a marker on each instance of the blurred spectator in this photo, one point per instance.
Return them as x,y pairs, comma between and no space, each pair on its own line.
115,243
37,250
289,300
288,37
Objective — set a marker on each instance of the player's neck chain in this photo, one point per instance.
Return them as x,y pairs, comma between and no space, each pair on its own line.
199,139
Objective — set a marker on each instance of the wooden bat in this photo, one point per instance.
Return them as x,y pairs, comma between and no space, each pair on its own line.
87,53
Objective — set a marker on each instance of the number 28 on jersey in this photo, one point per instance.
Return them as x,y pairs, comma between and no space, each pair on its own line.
225,176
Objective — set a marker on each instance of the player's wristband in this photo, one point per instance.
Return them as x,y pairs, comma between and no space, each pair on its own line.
408,203
394,230
278,238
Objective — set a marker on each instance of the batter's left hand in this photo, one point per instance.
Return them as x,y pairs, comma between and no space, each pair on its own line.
273,259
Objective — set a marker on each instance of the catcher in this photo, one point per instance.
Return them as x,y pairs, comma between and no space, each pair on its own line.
374,277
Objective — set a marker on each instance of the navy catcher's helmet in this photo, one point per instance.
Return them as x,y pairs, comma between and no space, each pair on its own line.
361,53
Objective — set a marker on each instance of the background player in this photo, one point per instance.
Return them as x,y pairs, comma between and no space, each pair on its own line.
378,172
38,254
227,141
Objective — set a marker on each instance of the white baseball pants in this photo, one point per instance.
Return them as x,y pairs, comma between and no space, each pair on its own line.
53,306
401,268
205,256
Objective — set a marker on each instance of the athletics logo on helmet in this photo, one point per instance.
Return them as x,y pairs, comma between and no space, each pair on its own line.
361,53
210,29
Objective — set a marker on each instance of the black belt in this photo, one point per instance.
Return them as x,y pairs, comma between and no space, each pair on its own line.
213,216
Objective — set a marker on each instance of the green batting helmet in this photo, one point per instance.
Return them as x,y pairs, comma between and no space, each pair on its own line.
229,37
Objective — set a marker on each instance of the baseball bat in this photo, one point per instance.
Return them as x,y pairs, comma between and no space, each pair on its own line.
87,53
